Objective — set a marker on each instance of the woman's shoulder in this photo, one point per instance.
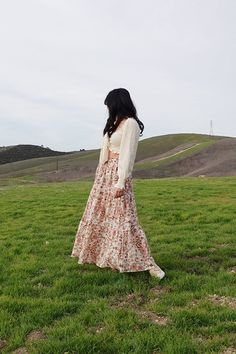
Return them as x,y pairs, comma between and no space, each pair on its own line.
131,123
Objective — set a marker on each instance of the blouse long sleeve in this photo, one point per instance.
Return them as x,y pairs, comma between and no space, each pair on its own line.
128,149
104,150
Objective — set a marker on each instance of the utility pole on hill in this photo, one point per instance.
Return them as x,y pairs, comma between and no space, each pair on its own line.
211,128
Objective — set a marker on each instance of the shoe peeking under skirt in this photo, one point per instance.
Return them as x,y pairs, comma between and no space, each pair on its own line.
157,272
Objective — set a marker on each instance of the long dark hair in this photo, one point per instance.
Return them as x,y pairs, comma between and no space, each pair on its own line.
120,106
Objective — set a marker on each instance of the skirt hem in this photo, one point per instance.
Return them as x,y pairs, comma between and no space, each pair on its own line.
107,266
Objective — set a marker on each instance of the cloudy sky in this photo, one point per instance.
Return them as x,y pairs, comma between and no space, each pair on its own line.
60,58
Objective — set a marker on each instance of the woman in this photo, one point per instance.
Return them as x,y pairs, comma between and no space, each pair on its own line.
109,233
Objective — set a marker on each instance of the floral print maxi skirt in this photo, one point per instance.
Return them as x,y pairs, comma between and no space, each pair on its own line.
109,233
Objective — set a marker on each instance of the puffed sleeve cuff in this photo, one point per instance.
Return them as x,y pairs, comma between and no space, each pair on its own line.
120,184
127,153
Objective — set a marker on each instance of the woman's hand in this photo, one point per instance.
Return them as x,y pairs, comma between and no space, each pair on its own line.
119,192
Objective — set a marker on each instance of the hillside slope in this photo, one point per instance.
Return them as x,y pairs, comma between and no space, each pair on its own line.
218,159
21,152
161,156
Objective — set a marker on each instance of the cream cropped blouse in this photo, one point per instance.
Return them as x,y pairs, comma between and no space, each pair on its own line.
125,142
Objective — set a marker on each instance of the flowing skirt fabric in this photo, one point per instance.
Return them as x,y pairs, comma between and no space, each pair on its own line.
109,233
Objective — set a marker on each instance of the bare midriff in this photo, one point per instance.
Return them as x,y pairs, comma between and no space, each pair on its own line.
112,154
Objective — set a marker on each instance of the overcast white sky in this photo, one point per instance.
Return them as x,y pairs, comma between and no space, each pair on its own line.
59,59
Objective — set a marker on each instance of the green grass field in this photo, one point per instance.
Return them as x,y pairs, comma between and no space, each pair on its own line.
191,228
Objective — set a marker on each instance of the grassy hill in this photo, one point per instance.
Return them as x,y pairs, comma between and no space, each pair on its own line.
160,156
20,152
51,304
